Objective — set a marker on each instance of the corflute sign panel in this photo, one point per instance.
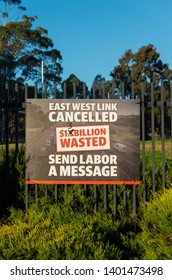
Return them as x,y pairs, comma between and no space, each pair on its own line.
79,141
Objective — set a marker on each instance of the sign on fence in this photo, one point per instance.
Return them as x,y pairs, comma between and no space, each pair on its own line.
82,141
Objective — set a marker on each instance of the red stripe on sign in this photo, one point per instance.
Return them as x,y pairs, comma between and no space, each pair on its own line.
82,182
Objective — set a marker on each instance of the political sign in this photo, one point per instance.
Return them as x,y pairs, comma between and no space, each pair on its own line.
77,141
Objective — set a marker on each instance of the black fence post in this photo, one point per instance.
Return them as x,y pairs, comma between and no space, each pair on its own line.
7,141
134,186
163,135
95,187
16,118
153,136
115,201
17,135
170,104
84,91
26,185
143,137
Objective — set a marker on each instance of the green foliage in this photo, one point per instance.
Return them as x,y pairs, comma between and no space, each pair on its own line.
22,48
74,86
144,71
158,173
144,65
20,165
57,232
155,239
49,231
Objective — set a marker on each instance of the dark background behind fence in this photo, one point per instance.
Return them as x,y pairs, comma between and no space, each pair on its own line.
155,126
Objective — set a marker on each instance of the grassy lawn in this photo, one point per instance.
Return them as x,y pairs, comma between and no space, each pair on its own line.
11,147
158,147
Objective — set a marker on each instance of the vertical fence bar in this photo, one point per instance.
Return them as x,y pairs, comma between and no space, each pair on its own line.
94,91
43,87
95,199
16,136
132,90
64,91
85,194
84,91
124,191
134,186
123,90
153,136
171,114
114,202
105,198
45,91
55,193
163,135
46,191
26,185
125,201
105,187
55,187
134,199
85,186
16,118
95,187
134,204
35,90
114,186
75,188
66,192
7,140
143,137
103,91
65,186
55,90
74,90
45,96
35,96
113,90
65,96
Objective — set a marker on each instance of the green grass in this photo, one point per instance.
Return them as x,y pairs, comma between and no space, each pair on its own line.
158,147
11,147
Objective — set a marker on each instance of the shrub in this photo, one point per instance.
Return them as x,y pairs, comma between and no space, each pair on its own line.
154,242
52,232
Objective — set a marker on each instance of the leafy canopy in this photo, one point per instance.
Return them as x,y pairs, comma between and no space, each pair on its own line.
22,48
144,65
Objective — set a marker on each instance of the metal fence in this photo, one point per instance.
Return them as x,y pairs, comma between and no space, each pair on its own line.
156,133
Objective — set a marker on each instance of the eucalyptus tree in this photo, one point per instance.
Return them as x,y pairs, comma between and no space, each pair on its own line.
23,47
74,86
102,88
144,67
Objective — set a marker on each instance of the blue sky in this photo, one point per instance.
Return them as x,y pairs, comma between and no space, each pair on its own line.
93,34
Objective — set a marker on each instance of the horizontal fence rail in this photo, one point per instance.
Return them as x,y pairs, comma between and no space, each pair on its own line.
155,129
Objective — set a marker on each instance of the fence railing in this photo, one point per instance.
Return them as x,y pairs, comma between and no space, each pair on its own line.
155,144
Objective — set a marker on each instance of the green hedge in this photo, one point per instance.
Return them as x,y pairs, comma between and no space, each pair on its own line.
50,232
154,242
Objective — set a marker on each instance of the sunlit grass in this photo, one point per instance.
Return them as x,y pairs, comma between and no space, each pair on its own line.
159,147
